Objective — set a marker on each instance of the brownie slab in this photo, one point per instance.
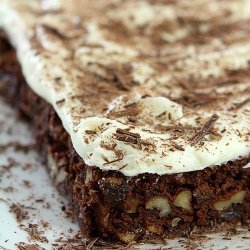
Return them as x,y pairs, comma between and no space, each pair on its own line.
113,206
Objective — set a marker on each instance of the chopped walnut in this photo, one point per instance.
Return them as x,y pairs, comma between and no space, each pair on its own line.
126,237
175,221
160,204
183,200
236,198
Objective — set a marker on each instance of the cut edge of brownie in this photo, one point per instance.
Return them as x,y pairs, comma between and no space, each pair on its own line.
113,206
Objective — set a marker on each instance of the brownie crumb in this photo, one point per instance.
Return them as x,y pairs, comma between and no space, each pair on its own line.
34,233
20,212
6,168
24,246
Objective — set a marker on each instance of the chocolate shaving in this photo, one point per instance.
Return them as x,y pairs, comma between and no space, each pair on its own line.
55,32
183,128
108,146
162,114
91,45
119,75
132,119
109,162
91,244
204,129
126,132
90,132
122,76
60,101
122,80
122,167
134,138
145,143
195,100
35,234
125,112
126,138
240,105
39,200
179,147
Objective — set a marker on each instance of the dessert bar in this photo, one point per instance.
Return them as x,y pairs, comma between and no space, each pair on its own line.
140,109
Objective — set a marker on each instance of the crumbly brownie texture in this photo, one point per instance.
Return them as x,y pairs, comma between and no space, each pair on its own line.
111,205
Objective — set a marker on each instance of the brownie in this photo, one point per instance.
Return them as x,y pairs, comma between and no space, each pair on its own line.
113,206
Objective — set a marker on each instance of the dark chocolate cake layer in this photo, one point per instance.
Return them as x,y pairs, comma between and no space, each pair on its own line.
111,205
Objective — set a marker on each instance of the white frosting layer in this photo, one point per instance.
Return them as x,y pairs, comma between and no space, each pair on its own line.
68,84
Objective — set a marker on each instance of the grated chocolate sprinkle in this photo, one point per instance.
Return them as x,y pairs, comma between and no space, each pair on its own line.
240,105
126,132
134,138
176,146
204,129
125,112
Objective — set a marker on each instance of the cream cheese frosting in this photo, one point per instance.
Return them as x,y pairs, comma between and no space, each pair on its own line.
140,86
